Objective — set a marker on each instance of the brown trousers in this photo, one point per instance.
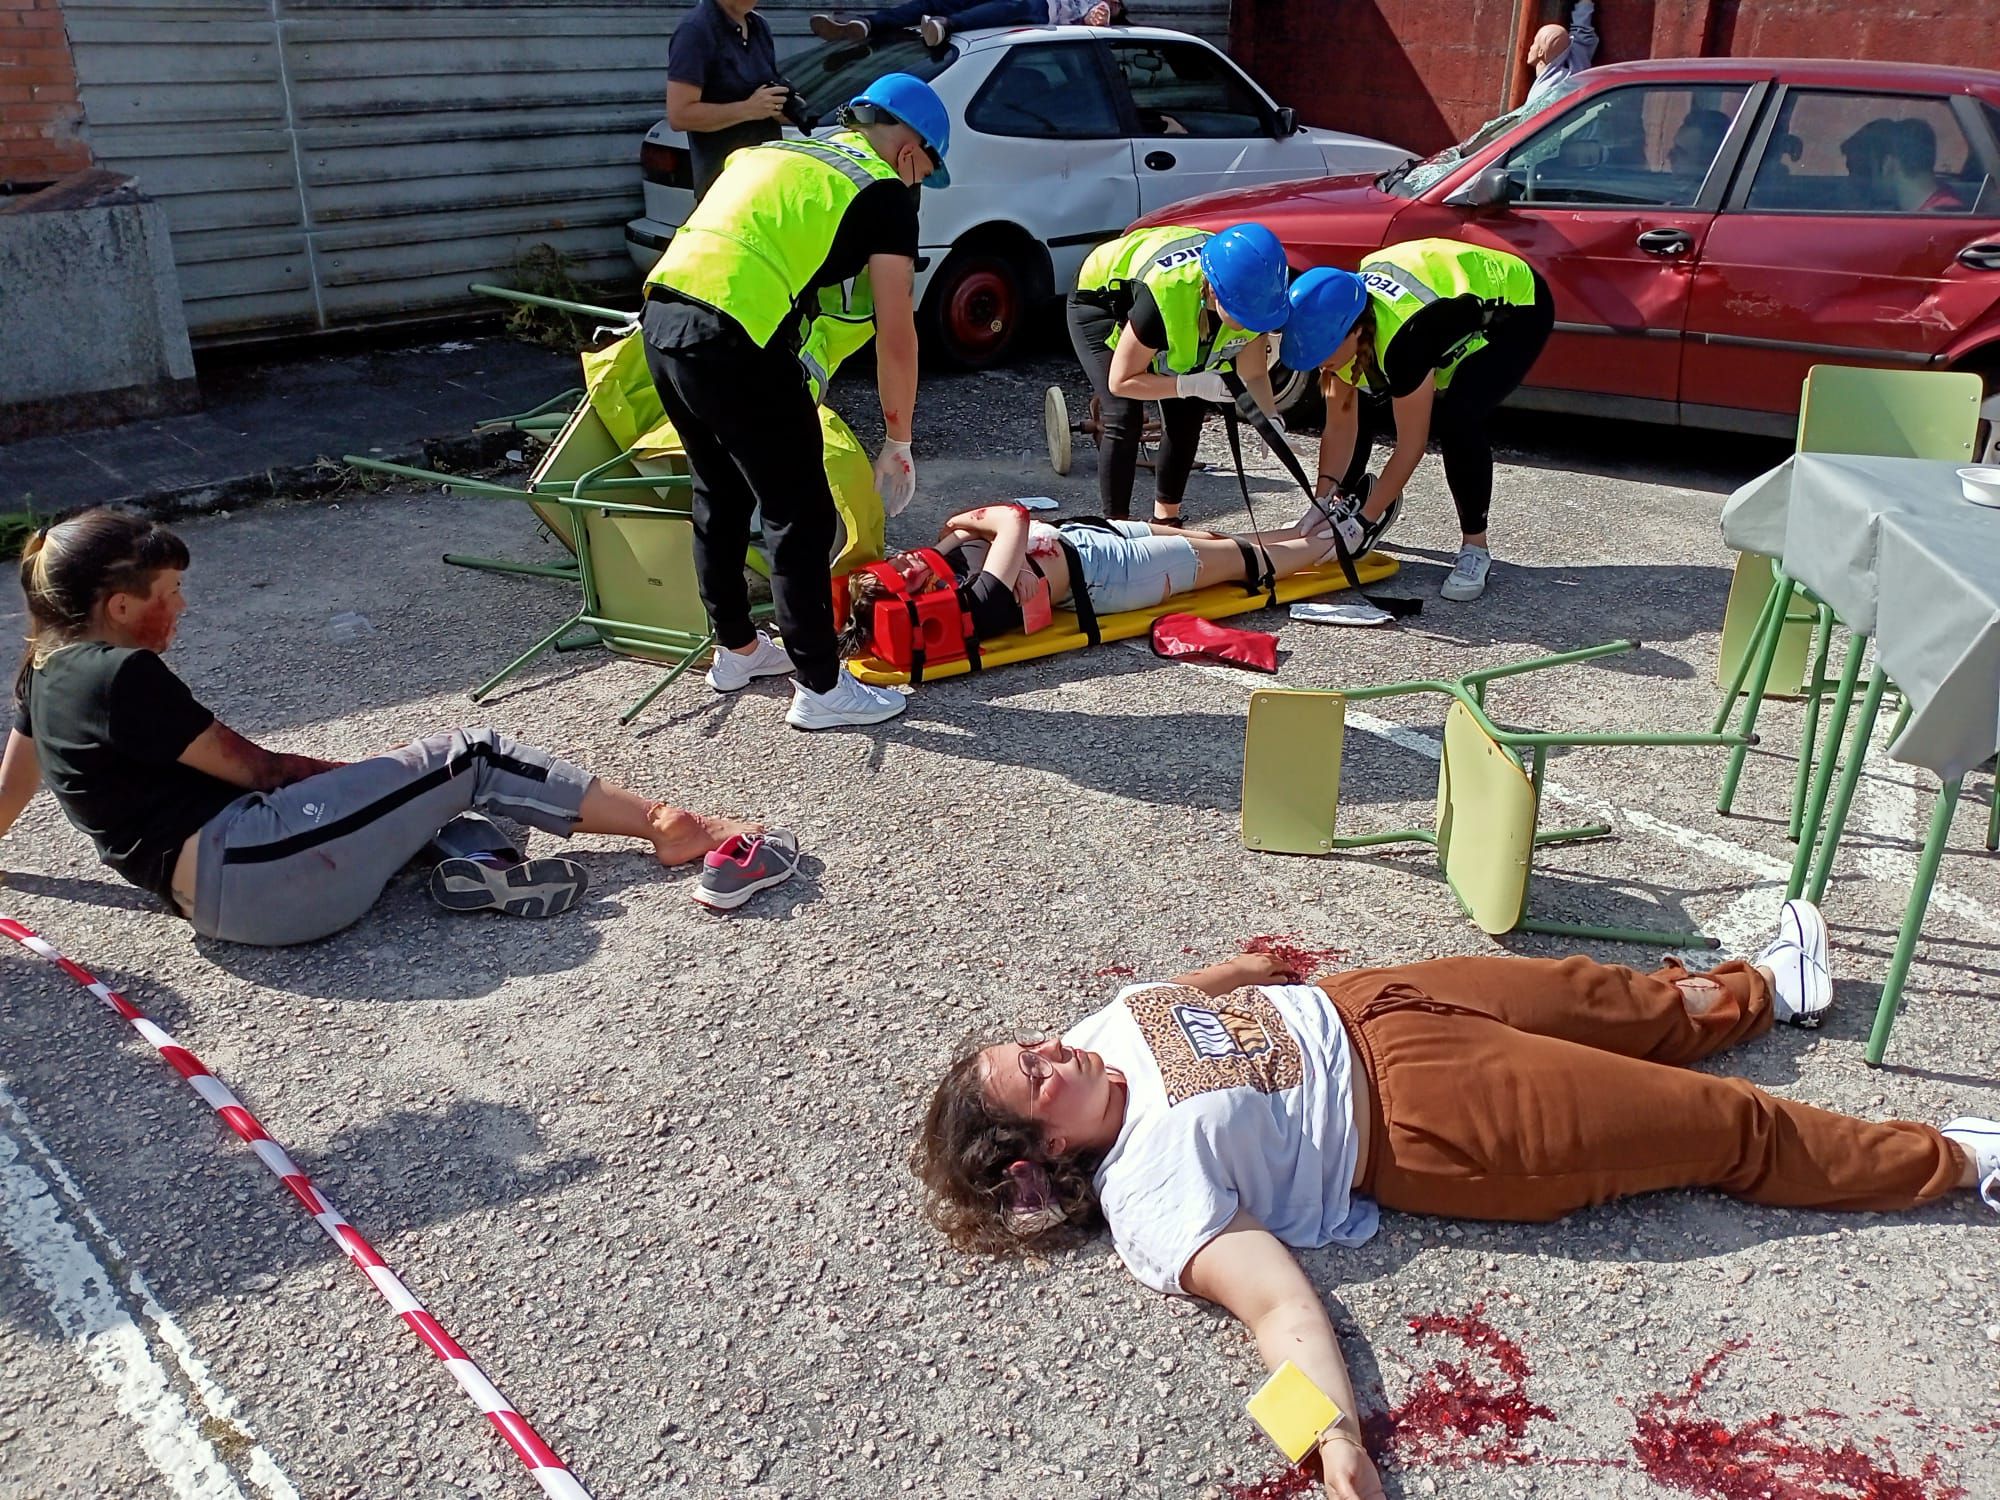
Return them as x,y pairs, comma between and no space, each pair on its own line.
1524,1089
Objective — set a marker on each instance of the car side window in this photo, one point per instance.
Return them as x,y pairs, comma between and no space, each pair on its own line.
1183,88
1837,152
1052,92
1642,146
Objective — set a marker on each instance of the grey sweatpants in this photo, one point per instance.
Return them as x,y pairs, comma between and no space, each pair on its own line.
299,863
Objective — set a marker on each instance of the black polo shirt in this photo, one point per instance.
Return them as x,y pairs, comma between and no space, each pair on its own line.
728,66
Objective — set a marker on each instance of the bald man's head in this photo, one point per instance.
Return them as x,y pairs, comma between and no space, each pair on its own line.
1550,43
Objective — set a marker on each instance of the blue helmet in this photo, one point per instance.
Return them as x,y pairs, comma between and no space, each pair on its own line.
1245,267
910,101
1325,305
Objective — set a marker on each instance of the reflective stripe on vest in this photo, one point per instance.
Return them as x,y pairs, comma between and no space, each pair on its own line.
1420,272
752,246
1167,262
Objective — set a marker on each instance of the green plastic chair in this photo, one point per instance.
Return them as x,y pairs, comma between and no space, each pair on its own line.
1488,803
1843,409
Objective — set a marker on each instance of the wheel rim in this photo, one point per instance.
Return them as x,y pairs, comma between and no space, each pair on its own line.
981,314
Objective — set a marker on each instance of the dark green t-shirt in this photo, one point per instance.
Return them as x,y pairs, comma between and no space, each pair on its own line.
109,725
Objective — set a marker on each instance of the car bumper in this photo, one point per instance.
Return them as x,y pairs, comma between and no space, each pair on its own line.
644,240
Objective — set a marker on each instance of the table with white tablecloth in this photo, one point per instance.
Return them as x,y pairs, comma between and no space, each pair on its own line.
1903,559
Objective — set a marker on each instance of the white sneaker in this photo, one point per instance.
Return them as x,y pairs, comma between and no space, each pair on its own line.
848,702
1797,956
1467,580
1981,1140
733,671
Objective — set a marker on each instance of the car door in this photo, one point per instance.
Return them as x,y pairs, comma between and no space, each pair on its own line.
1868,232
1198,124
1611,198
1048,146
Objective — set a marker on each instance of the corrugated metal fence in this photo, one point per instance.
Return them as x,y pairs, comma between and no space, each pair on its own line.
330,162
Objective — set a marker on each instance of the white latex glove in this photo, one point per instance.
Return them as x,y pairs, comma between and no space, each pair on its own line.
1203,385
895,476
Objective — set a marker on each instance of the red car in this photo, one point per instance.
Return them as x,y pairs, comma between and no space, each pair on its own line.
1710,227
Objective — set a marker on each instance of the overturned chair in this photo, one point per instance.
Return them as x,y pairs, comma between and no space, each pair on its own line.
1488,802
613,488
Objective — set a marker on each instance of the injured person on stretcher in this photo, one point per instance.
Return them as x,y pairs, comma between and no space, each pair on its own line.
1009,572
1215,1119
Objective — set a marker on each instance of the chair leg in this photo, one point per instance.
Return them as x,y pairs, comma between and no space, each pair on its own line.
1806,818
526,656
1850,777
1734,688
667,681
1993,817
1644,935
1809,735
566,572
1913,921
1767,650
1571,835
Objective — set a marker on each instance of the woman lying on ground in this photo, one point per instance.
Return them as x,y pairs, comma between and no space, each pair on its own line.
1213,1120
249,844
1002,563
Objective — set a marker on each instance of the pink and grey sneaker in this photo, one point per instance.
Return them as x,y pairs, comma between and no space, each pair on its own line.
746,865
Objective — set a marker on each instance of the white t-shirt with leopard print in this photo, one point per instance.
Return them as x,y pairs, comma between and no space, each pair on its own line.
1238,1102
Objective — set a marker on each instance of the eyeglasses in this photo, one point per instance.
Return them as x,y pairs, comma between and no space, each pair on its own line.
1034,1065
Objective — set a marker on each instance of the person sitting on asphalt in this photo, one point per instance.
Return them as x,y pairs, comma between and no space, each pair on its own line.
936,20
1213,1120
1001,562
256,846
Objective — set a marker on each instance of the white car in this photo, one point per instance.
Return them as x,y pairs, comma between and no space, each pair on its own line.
1060,137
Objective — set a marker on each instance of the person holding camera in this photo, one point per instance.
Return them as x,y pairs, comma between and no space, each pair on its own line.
723,85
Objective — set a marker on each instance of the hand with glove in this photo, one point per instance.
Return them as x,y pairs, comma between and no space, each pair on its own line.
895,476
1203,385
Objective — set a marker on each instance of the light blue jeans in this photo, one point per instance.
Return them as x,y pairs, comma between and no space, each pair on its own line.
1130,567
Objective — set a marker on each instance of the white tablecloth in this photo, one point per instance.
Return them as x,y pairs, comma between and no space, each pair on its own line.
1893,546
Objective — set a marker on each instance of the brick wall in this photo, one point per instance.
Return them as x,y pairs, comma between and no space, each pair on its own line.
39,113
1422,74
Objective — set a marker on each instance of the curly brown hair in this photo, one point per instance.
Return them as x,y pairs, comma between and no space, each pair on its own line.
963,1154
1365,368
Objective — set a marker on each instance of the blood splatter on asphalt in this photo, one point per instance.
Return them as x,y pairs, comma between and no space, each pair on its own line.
1116,971
1683,1450
1307,963
1449,1406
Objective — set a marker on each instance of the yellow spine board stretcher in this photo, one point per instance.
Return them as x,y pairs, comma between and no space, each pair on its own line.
1213,603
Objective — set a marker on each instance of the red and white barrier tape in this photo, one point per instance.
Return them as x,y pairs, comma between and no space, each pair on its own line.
548,1470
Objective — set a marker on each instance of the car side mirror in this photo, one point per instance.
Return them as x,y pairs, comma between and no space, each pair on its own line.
1285,122
1489,186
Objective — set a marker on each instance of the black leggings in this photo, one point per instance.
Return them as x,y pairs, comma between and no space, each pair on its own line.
1458,415
752,437
1125,421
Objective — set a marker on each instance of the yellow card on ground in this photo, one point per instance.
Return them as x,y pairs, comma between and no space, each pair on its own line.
1292,1411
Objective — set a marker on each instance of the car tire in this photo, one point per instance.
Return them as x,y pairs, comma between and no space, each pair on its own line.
975,308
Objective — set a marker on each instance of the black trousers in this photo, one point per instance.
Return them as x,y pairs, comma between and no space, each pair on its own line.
1460,412
752,436
1125,421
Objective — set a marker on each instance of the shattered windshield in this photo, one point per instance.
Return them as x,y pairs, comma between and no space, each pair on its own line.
1412,178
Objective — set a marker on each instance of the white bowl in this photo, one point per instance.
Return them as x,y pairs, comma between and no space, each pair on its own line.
1981,483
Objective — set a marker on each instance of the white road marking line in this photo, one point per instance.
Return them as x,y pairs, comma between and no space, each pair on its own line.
85,1302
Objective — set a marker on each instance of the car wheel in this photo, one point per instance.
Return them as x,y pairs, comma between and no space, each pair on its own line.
975,308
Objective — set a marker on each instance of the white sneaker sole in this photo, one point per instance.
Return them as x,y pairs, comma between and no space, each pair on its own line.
534,888
813,719
729,900
1463,593
1982,1139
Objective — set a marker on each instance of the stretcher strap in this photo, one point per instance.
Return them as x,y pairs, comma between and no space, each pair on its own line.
1246,409
1079,591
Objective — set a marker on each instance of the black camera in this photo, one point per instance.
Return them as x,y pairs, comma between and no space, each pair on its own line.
798,113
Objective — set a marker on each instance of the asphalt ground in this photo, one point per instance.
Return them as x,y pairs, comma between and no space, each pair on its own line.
649,1164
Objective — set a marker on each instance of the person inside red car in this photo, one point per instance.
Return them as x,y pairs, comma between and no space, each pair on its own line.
1445,330
1895,164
